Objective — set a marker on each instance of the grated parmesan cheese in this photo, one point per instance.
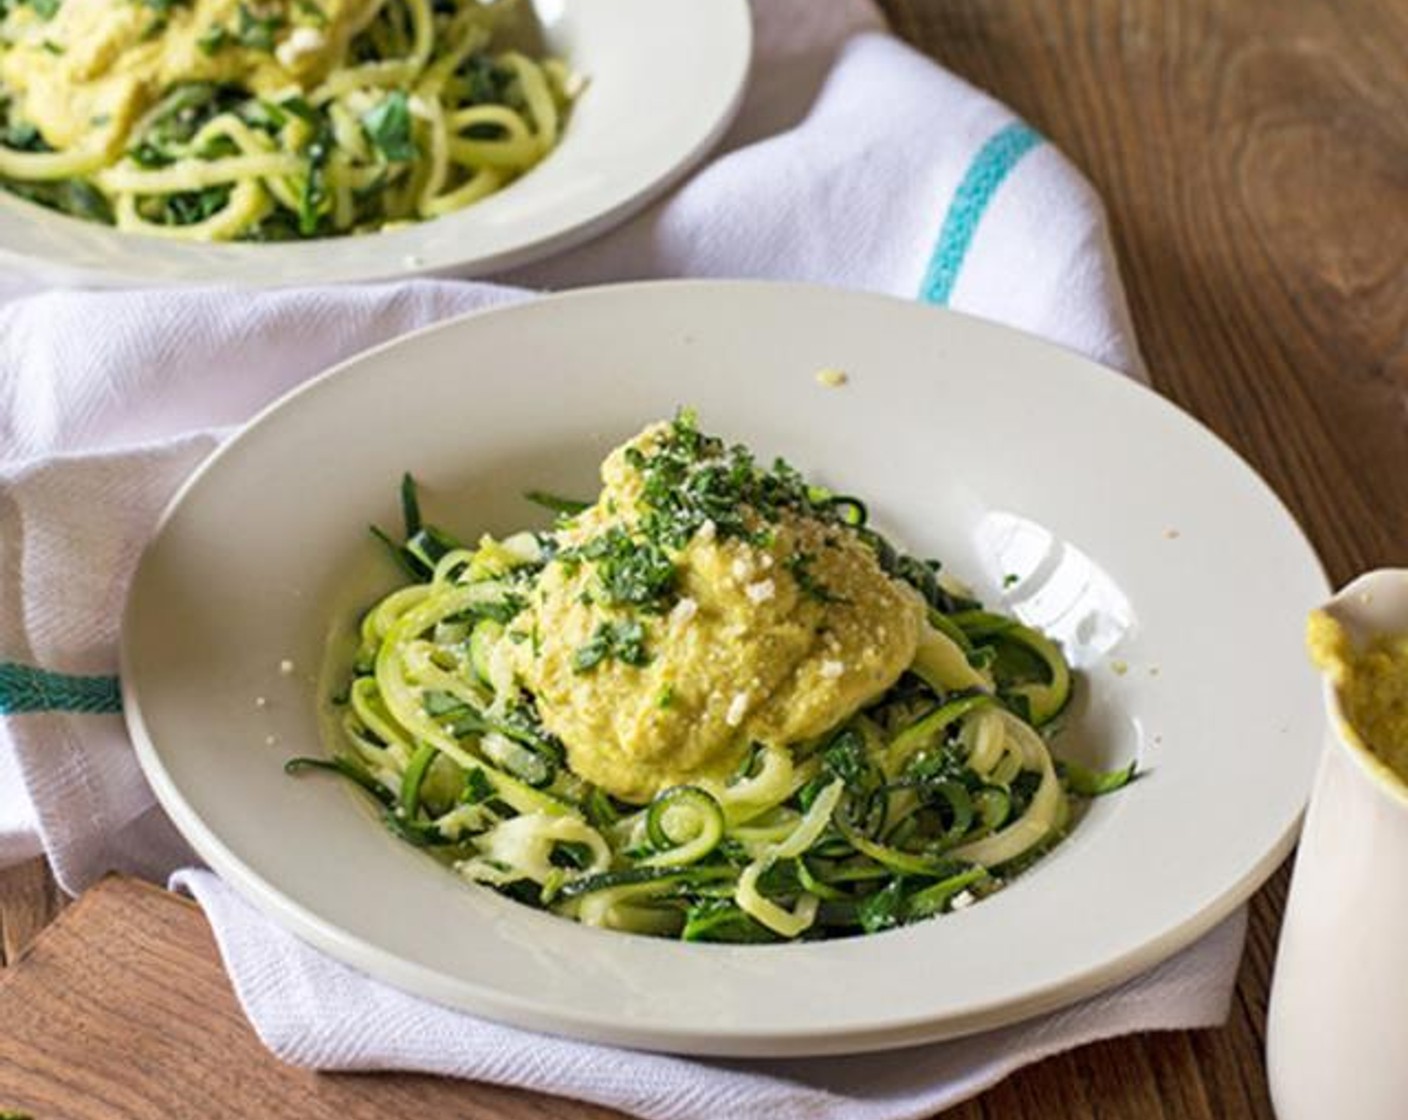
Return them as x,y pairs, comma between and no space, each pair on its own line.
299,42
761,591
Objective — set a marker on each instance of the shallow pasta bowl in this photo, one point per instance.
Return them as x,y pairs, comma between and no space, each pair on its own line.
664,79
1062,492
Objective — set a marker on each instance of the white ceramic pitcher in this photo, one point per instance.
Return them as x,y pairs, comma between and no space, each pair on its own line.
1337,1036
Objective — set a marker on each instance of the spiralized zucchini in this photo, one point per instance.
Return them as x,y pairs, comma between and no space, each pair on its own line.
925,800
276,120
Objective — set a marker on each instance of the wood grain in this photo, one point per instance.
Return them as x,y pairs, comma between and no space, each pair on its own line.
1253,156
121,1011
29,901
1254,160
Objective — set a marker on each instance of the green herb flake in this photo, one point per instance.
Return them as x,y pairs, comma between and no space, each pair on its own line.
257,31
299,107
22,137
799,566
477,787
315,202
314,14
213,39
844,758
690,481
884,909
188,208
622,641
634,570
388,127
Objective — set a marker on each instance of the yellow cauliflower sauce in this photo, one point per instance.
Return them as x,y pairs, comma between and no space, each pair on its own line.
268,120
773,636
1372,683
86,73
714,703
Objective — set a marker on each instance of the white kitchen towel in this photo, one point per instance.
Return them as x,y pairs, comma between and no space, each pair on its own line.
303,1003
855,162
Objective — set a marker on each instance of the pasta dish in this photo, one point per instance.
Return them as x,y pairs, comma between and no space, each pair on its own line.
269,120
713,704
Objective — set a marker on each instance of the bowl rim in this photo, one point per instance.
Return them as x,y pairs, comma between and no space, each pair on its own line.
267,266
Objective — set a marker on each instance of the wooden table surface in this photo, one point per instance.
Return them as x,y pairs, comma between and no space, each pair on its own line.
1254,159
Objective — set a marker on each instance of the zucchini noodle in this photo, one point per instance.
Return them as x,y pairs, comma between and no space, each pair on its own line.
926,794
218,120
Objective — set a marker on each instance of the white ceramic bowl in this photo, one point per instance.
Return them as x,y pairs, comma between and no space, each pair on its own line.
1175,578
665,79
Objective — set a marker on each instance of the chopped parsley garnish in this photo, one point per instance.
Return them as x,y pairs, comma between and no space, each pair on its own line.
485,81
689,480
388,127
884,909
257,31
186,208
162,17
623,641
315,202
22,136
300,108
45,9
477,787
633,571
844,758
213,38
316,16
799,566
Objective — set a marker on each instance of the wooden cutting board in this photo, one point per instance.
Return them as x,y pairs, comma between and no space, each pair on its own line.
121,1011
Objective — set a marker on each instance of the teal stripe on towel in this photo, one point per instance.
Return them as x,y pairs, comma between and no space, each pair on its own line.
24,688
993,163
